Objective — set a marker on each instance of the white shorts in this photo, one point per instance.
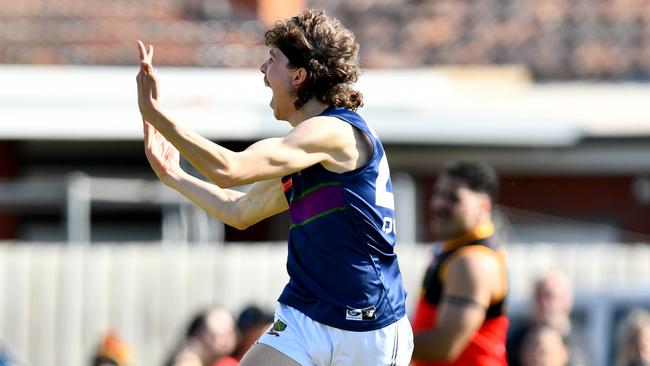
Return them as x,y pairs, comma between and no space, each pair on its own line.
314,344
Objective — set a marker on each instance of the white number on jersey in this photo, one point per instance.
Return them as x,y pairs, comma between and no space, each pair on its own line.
383,198
389,225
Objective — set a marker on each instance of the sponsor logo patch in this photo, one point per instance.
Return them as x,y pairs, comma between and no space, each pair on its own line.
361,314
277,327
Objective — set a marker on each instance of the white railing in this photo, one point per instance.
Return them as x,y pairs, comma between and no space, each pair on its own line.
58,300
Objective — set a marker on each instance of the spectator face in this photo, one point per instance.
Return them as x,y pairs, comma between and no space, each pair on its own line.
220,335
638,349
544,347
553,298
644,344
456,209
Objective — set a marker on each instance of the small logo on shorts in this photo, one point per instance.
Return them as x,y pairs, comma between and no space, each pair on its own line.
361,314
278,326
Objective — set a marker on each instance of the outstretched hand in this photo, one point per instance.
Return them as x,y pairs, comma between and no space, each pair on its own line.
162,155
147,80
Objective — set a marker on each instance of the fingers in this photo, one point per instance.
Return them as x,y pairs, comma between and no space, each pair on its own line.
142,51
146,67
146,53
146,57
146,78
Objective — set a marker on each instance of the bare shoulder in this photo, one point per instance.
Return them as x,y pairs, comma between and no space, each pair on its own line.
324,131
476,264
476,274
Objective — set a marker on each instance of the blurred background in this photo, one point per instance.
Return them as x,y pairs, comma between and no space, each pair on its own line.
552,93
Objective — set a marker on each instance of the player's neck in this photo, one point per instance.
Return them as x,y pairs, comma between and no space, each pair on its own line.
310,109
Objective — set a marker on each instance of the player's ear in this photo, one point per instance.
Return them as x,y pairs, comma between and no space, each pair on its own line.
299,76
486,203
489,204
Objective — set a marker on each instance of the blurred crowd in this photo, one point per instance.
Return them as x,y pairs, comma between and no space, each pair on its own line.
213,338
548,335
555,39
551,334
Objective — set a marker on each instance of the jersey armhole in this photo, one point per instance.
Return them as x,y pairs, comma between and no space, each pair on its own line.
369,141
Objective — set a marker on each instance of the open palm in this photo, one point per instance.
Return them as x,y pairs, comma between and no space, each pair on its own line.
162,155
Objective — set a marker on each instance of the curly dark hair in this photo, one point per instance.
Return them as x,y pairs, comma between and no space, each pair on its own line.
329,53
477,175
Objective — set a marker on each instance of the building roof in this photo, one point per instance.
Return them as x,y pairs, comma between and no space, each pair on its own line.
426,106
412,107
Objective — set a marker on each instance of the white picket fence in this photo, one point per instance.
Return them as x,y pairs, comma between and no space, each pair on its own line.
59,300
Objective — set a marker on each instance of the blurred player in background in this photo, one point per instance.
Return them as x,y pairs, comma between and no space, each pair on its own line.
460,318
345,302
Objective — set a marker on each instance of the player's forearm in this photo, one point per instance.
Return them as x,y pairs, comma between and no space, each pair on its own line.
212,160
217,202
436,345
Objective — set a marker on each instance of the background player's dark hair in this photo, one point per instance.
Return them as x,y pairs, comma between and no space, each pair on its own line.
197,325
478,176
329,53
253,316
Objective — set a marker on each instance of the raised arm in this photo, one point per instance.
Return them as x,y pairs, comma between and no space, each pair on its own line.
469,289
324,140
309,143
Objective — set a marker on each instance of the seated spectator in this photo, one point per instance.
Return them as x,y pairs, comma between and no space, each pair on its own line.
633,336
543,345
552,304
252,322
112,352
209,339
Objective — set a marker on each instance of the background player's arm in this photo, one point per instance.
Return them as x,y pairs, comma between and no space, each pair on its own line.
468,291
237,209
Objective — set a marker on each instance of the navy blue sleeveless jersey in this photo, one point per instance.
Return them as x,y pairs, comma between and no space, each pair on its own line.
342,268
